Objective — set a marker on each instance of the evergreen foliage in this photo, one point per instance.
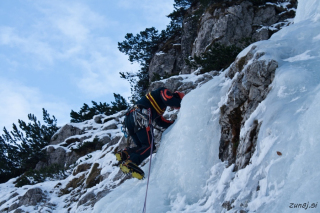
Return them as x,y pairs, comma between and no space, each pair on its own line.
181,6
32,176
87,113
141,48
177,15
183,3
216,58
21,147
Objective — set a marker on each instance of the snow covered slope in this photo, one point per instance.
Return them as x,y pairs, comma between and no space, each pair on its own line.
283,176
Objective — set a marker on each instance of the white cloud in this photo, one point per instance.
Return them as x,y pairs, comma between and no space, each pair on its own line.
30,44
17,101
100,74
95,55
146,4
66,32
75,21
153,12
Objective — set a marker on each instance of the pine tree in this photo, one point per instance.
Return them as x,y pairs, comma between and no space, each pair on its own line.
21,148
119,104
5,164
86,112
141,48
183,3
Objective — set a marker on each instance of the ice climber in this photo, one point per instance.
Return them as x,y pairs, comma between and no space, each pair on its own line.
137,124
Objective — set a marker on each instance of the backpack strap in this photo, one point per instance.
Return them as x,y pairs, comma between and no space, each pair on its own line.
154,104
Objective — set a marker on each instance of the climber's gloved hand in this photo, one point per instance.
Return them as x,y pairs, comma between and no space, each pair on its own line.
179,94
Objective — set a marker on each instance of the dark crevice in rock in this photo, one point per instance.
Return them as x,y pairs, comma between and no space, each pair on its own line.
235,119
249,88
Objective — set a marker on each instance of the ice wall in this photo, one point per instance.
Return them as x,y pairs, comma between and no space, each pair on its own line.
307,10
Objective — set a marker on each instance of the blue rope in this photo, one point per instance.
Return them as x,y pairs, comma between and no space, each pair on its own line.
124,132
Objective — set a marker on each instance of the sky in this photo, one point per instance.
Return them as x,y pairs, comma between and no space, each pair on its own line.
59,55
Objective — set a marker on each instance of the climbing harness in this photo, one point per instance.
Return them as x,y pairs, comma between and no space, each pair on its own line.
140,117
150,161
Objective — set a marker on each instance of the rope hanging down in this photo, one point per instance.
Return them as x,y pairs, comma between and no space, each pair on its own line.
150,161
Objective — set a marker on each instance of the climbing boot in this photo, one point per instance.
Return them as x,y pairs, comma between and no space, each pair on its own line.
122,155
130,167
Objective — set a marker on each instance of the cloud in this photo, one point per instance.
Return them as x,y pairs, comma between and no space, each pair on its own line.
74,21
146,4
100,74
153,12
94,55
18,100
30,44
70,32
60,31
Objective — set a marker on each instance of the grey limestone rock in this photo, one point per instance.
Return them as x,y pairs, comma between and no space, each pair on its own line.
111,126
177,83
63,133
234,24
247,146
86,198
249,88
105,139
98,118
164,64
171,83
31,198
58,156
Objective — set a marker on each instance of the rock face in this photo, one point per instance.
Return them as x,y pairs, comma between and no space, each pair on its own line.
233,24
31,198
58,156
183,84
65,132
168,61
249,88
229,23
77,138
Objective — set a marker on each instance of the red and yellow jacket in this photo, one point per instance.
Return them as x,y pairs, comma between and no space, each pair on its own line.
157,101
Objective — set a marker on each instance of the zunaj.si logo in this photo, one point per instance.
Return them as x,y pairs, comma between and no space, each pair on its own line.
303,205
